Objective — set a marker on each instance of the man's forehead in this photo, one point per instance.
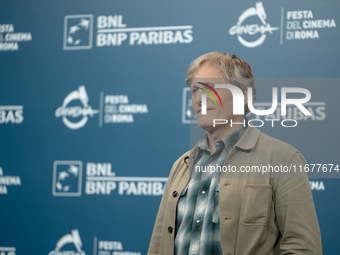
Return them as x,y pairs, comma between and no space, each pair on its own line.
209,81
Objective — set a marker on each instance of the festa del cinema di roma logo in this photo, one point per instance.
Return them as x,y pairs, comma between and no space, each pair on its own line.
73,238
75,110
67,113
238,102
252,29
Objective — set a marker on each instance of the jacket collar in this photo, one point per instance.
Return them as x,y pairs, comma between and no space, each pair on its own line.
247,142
249,138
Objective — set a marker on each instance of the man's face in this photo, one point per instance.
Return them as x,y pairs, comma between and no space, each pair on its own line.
211,76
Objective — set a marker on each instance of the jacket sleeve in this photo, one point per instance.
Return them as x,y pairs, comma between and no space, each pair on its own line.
295,213
155,242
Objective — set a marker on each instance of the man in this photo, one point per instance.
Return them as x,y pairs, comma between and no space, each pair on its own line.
213,212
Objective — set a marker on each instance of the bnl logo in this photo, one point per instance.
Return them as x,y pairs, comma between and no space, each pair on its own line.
67,178
78,30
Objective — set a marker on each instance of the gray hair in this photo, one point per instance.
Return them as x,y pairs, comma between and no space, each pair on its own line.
232,68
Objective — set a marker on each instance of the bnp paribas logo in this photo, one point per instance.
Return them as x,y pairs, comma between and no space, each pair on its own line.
67,178
78,30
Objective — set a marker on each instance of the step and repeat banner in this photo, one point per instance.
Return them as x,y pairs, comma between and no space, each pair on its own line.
94,110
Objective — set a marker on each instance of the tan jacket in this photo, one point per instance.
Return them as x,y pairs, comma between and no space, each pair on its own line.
264,216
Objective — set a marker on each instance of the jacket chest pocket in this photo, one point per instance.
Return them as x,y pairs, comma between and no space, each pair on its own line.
256,202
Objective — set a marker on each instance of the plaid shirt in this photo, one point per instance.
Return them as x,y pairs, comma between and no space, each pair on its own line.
198,219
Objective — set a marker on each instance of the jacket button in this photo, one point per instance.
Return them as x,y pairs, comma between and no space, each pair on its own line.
174,194
170,229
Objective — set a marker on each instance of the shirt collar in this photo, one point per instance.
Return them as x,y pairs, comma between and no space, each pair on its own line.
228,142
246,143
